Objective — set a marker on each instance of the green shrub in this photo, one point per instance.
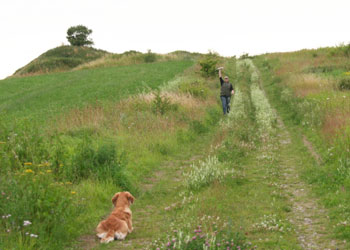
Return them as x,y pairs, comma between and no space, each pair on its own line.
344,83
208,65
162,104
150,57
244,56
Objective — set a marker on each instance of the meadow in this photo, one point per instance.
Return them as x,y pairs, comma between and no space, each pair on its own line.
45,96
65,143
70,140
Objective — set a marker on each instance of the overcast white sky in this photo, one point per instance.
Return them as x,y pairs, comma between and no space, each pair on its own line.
230,27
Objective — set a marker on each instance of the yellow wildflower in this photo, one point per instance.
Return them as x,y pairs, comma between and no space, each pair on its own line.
29,171
49,171
61,165
73,192
28,163
68,183
347,73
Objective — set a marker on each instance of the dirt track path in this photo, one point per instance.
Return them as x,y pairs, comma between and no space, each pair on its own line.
307,215
309,218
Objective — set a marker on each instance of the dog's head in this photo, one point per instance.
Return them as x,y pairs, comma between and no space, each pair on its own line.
122,199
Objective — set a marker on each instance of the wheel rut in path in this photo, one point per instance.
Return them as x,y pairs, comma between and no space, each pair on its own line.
309,218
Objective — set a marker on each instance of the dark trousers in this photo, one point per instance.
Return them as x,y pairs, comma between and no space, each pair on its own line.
225,100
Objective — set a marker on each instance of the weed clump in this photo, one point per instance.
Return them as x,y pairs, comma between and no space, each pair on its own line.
162,104
344,83
101,163
205,173
224,237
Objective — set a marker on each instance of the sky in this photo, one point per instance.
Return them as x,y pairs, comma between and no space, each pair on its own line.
229,27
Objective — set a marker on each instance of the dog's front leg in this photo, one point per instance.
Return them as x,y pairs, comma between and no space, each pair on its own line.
129,222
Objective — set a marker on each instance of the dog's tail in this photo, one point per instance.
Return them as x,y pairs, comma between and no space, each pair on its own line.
108,237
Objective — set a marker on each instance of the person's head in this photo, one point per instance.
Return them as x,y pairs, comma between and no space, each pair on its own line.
226,79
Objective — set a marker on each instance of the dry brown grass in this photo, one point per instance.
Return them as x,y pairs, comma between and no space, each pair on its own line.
134,114
111,60
335,123
301,61
306,84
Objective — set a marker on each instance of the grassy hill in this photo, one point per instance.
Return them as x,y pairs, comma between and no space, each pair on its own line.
68,140
273,174
67,58
40,97
59,59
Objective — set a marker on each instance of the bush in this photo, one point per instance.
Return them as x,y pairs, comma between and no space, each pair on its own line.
244,56
344,83
208,65
162,104
150,57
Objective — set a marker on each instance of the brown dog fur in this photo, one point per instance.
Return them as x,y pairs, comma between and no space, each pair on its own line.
119,222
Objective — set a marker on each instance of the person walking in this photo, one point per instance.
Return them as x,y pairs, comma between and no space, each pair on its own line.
226,92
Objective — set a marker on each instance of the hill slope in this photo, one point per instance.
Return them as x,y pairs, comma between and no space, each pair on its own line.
62,58
36,97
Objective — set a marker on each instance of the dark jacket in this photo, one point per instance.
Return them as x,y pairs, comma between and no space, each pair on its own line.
226,88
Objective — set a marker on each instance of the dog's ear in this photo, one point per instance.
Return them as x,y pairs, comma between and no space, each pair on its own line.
130,197
115,198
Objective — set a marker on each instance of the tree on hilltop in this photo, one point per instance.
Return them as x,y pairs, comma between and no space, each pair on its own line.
79,36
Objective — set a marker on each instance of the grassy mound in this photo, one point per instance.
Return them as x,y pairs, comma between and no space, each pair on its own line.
62,58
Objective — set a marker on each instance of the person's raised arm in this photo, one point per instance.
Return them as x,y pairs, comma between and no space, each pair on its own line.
220,74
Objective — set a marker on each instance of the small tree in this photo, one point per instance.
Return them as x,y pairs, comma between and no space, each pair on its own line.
79,36
208,65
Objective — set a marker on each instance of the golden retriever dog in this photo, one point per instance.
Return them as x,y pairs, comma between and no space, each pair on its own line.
118,224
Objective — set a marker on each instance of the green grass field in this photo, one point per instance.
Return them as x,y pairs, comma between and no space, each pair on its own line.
41,97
